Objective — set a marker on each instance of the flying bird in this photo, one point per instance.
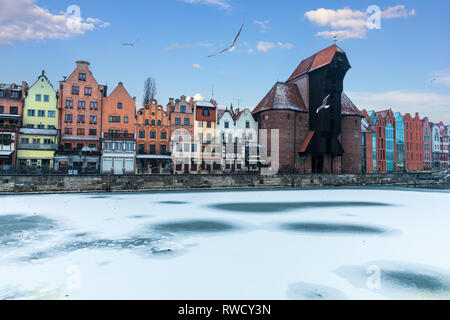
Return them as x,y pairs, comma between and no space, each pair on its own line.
131,44
432,80
230,48
324,104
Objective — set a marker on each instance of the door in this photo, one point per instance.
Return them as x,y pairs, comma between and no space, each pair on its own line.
118,166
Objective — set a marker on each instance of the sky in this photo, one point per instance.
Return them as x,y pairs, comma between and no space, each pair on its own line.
401,63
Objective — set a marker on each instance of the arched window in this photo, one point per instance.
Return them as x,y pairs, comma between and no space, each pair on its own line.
153,135
153,122
146,121
159,122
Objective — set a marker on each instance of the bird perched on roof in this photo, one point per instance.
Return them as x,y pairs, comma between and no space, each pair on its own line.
131,44
324,104
230,48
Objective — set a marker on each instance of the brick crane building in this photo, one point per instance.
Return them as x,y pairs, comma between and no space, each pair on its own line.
80,102
319,127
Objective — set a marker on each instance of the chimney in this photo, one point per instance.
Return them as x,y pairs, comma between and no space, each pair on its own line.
82,63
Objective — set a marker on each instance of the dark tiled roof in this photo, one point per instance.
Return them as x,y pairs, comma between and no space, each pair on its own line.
318,60
348,107
282,96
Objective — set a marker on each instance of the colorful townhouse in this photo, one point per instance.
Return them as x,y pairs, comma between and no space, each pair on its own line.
427,145
12,98
238,131
400,164
184,150
209,149
118,136
38,139
153,133
368,137
436,146
444,146
81,101
413,142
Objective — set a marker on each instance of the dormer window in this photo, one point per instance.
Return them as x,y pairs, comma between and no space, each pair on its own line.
119,105
82,76
206,112
183,109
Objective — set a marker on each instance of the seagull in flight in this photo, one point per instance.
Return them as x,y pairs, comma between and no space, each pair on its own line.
230,48
433,80
324,104
131,44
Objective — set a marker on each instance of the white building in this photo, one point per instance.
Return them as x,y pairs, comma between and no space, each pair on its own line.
118,153
239,134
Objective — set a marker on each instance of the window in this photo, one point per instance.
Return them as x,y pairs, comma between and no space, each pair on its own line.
1,94
141,149
178,121
247,124
115,119
48,141
14,94
159,122
119,105
51,114
50,126
153,134
68,118
30,126
227,124
187,121
93,119
14,110
146,122
41,113
31,113
94,105
162,149
205,112
69,103
82,76
25,140
46,98
208,124
182,109
88,91
80,132
142,134
163,135
38,97
2,109
125,119
92,146
41,126
68,131
81,105
92,132
80,119
75,90
153,122
200,124
36,141
152,149
80,146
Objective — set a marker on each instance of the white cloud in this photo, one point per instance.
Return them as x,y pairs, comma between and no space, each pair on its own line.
251,51
351,24
432,105
286,45
263,25
199,97
196,66
265,46
22,20
176,46
221,4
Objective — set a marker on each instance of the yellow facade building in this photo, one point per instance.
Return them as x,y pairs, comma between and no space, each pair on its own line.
38,137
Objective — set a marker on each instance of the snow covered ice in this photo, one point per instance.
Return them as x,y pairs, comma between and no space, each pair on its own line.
275,244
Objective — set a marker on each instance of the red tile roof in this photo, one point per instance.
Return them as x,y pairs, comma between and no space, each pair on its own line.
282,96
348,108
236,116
220,113
318,60
307,141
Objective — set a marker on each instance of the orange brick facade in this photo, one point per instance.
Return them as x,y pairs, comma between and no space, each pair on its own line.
119,112
413,142
80,102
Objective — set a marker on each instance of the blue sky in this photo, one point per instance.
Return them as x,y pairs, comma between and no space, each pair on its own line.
391,67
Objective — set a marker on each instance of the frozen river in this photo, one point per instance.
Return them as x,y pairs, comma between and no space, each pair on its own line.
276,244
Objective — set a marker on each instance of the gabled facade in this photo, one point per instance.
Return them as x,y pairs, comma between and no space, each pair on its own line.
444,146
118,132
427,145
400,163
153,139
436,146
413,142
12,98
81,101
39,134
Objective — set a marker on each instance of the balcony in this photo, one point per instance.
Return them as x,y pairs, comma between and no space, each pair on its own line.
37,146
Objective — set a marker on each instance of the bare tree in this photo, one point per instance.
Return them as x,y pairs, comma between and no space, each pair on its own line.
149,90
